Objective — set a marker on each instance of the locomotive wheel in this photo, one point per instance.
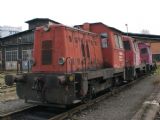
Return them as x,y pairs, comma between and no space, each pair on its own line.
85,100
90,94
116,82
26,100
135,76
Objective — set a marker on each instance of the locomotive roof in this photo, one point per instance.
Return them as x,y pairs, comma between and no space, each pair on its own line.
78,29
73,28
115,29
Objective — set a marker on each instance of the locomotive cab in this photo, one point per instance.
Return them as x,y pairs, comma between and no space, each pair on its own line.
146,56
112,47
132,57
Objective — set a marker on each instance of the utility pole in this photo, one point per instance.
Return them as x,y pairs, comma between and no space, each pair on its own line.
127,28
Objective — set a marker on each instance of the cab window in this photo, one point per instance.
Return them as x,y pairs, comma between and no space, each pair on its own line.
143,50
104,40
118,41
127,45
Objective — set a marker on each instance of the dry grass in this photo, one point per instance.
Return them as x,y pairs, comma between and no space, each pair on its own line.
2,75
6,93
157,80
2,79
158,70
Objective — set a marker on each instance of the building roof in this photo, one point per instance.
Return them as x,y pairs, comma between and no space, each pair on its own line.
144,36
29,21
16,34
42,19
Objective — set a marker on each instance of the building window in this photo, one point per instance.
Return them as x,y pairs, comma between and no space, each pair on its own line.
12,55
156,57
26,55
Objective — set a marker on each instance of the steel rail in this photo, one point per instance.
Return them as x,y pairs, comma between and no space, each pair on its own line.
55,115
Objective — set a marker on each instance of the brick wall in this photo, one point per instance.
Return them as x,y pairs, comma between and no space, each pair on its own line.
155,47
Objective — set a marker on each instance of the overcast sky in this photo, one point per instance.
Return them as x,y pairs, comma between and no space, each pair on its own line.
138,14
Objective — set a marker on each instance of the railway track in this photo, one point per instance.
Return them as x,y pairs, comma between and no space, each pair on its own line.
51,113
9,108
157,116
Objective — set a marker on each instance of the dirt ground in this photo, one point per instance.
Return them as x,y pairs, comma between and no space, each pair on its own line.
2,76
2,79
6,93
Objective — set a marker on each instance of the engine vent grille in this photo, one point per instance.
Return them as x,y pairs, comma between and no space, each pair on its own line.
46,52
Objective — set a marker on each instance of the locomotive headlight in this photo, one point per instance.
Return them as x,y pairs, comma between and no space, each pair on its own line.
61,79
71,78
61,60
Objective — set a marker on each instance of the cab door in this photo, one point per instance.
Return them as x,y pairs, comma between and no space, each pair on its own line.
118,52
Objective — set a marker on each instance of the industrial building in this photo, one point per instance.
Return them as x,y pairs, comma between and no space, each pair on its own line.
16,49
8,30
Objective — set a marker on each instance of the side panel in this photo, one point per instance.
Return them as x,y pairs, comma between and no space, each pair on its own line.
137,54
145,53
130,53
107,52
80,50
83,50
112,56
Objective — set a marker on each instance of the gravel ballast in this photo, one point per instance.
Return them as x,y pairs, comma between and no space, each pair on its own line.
122,106
12,106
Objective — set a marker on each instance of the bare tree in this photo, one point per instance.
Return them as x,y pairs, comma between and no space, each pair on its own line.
145,31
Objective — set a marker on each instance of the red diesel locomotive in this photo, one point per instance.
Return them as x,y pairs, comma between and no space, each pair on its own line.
112,48
71,65
146,56
133,64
